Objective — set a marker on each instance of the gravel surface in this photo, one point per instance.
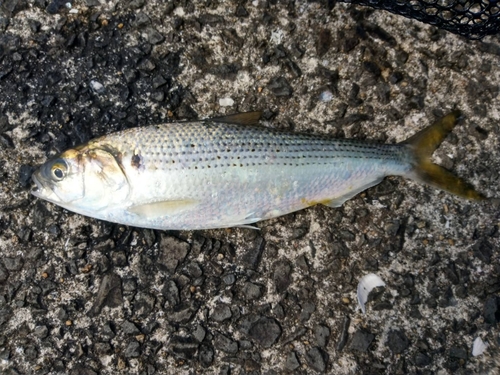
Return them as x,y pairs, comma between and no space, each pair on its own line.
81,296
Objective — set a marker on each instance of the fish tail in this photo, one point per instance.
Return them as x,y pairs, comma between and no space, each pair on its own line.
423,144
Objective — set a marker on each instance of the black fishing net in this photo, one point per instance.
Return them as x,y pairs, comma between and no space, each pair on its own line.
472,19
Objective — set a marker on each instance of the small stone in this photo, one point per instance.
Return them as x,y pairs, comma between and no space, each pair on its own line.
182,313
361,340
225,344
251,291
317,359
119,258
184,347
13,264
158,81
109,294
397,341
265,332
221,312
102,348
199,333
241,11
491,311
154,37
41,332
291,362
229,279
107,332
282,275
129,328
171,293
307,309
172,251
97,87
206,355
422,359
158,96
344,334
132,350
25,172
321,333
146,65
4,274
226,102
252,256
459,353
280,87
141,19
143,304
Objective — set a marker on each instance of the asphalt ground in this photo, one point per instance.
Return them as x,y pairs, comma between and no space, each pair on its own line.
81,296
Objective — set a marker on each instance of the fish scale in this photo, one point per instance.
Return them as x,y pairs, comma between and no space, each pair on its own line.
215,174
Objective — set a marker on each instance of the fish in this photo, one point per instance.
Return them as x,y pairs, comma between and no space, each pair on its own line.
230,172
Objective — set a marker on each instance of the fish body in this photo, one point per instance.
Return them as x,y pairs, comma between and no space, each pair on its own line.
216,174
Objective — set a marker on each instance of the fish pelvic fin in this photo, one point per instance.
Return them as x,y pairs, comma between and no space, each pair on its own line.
422,146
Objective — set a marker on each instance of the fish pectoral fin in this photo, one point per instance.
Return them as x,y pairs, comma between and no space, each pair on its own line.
339,201
163,208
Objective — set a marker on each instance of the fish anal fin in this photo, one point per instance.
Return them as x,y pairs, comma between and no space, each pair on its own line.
340,200
245,118
163,208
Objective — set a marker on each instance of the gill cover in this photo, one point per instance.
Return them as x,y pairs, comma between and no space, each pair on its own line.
104,181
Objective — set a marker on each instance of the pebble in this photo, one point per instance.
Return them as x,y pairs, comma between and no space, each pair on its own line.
422,359
280,87
265,332
491,310
221,312
226,102
171,252
171,293
206,355
132,350
109,294
252,256
344,334
361,340
4,274
317,359
251,291
225,344
397,341
282,275
184,347
291,362
41,332
97,87
129,328
321,334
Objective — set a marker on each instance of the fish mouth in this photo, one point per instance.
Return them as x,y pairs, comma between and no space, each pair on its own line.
38,189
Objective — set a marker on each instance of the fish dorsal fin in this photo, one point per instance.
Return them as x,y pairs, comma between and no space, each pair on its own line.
163,208
245,118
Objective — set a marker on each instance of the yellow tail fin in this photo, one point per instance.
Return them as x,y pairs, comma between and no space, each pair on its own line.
423,144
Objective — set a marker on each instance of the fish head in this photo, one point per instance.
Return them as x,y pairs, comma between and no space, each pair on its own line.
82,180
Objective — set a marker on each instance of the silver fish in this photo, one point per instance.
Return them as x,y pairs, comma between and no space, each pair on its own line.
228,172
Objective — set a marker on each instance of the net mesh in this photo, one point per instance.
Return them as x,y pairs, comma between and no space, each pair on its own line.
471,19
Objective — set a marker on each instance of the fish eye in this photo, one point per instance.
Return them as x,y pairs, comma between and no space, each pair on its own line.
58,170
